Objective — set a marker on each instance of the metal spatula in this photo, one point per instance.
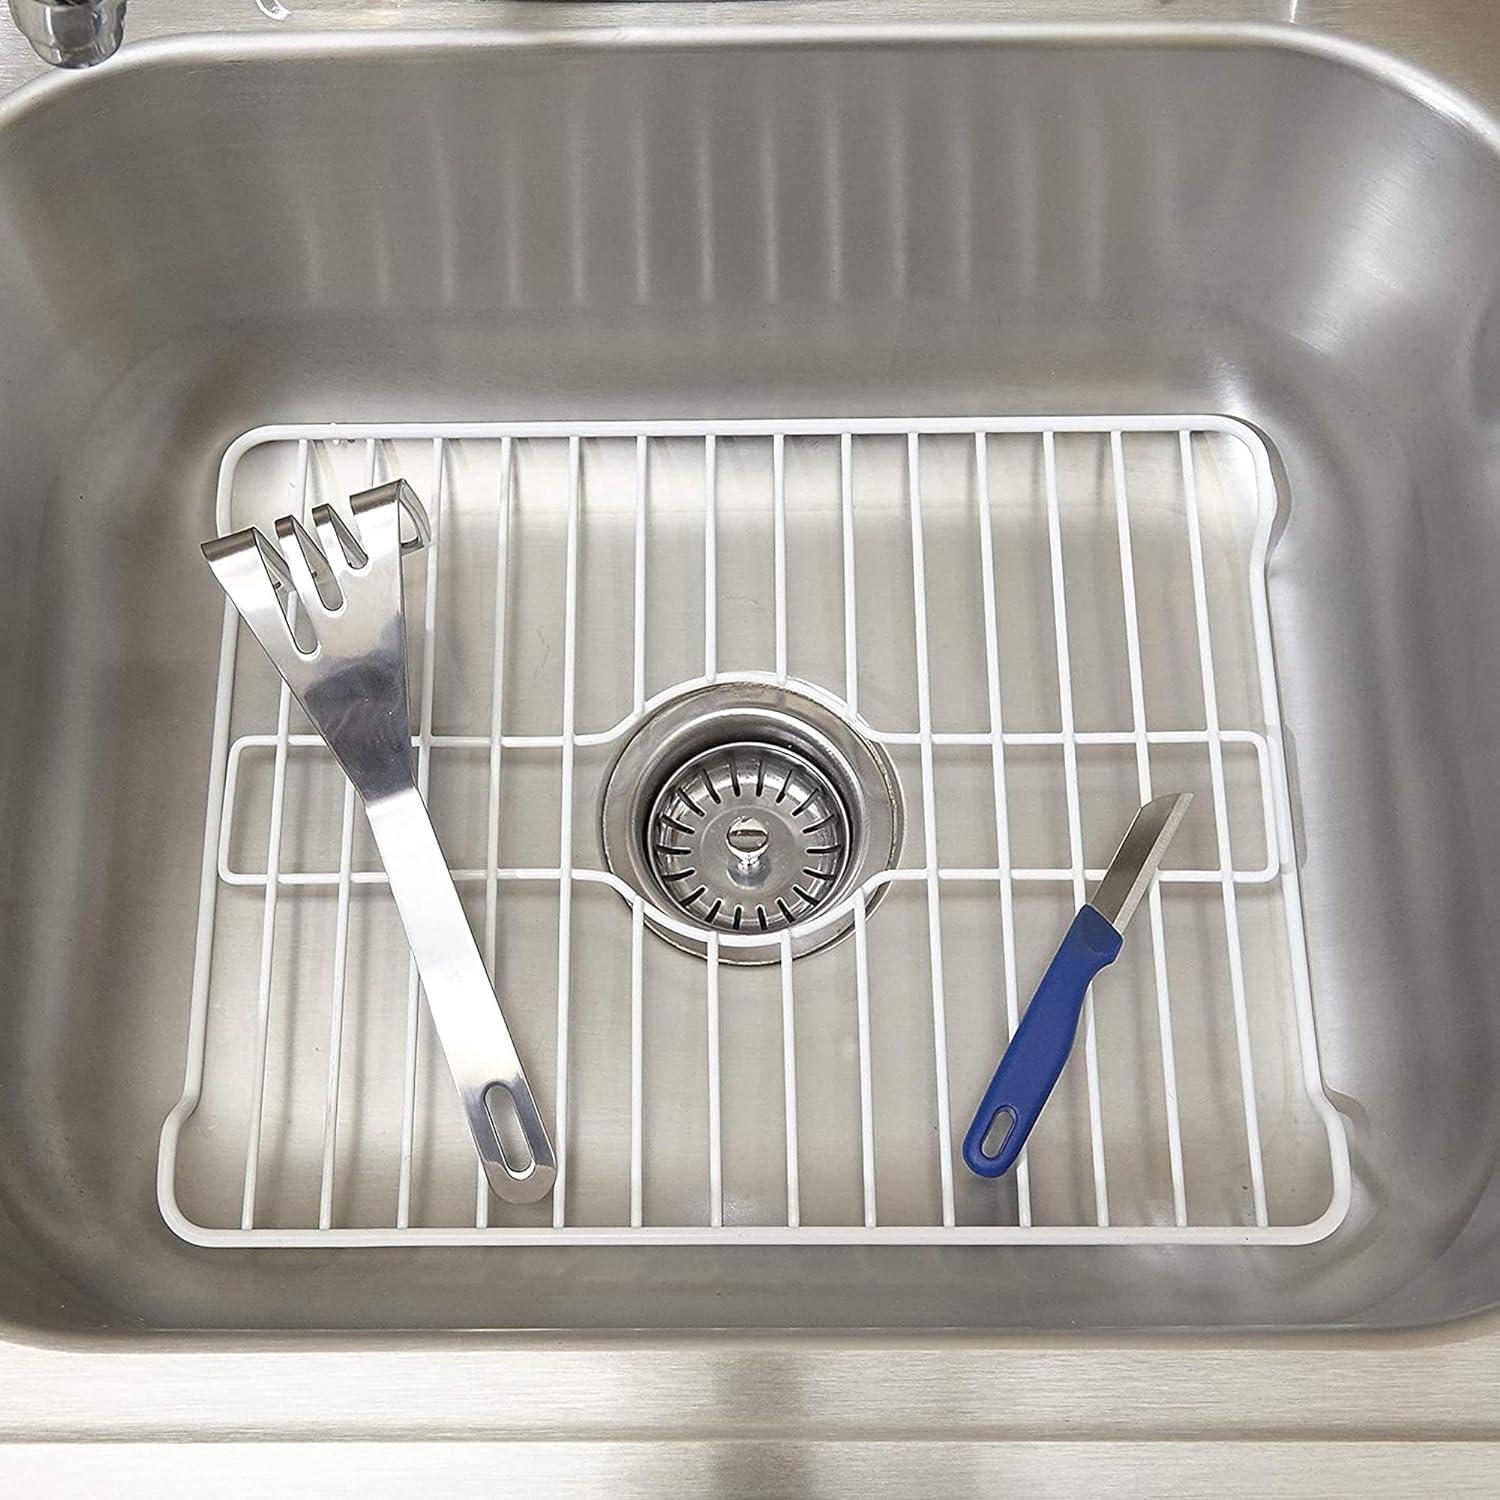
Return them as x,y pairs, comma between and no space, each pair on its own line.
1034,1060
352,683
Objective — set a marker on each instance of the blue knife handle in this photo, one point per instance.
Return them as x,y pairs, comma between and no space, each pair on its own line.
1034,1060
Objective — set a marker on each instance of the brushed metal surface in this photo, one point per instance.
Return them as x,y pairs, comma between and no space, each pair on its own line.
447,228
1235,1470
1271,225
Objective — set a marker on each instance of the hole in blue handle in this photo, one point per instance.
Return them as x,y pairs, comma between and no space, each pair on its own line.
992,1145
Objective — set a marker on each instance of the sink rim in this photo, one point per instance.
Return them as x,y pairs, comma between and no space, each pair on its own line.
657,28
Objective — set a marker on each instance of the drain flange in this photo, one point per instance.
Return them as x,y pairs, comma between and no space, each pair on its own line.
747,810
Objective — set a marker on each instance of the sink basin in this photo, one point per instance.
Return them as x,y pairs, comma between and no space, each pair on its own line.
1290,238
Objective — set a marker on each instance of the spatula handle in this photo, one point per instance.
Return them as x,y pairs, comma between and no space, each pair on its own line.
1034,1060
482,1058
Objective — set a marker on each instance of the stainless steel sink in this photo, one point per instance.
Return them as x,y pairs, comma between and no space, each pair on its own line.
1265,226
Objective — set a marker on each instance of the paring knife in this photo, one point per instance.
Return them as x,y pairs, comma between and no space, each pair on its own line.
1034,1060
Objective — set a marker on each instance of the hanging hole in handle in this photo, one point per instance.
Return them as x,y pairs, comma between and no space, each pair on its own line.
510,1133
1002,1123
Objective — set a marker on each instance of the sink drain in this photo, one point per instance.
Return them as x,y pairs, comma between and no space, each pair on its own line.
749,835
748,810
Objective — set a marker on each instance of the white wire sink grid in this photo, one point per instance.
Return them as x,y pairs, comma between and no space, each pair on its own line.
1042,620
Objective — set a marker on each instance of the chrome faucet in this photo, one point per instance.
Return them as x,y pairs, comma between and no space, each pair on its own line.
71,33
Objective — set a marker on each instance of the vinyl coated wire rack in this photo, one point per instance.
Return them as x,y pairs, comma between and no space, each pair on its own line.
248,988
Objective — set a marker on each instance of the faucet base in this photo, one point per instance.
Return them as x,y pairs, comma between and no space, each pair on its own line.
71,33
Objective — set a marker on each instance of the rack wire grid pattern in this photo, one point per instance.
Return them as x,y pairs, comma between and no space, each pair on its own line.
248,983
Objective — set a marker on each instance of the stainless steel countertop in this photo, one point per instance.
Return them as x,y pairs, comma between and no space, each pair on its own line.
1397,1413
